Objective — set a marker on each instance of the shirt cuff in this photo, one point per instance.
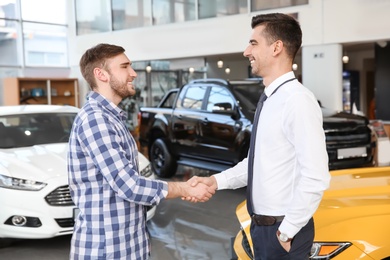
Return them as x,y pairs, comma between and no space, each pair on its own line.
288,229
165,189
222,182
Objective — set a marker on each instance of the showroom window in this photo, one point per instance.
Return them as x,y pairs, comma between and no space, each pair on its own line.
36,38
271,4
131,14
9,33
93,16
45,45
173,11
9,43
209,9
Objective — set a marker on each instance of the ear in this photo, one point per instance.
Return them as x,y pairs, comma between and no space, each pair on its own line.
278,47
100,74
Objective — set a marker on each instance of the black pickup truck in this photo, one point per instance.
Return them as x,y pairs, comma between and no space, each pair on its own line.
207,124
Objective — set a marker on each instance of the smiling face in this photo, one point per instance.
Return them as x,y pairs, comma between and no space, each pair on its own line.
121,76
259,52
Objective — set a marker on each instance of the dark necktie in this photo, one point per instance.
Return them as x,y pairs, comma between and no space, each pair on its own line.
251,153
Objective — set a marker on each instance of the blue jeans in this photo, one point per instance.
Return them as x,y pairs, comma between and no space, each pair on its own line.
267,246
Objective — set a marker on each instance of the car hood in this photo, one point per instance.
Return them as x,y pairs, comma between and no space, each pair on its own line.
353,194
332,116
39,162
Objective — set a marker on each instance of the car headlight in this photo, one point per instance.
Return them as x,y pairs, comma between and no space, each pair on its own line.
20,184
327,250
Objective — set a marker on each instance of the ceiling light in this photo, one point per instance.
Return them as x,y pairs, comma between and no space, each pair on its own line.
148,68
227,70
345,59
382,44
220,64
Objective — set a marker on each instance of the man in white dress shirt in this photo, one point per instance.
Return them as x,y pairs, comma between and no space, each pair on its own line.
290,165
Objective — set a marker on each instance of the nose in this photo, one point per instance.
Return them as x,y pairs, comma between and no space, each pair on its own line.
133,73
247,51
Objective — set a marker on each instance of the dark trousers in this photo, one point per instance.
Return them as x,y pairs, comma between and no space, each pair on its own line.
267,246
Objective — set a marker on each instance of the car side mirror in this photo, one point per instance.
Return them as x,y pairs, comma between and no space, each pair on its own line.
223,108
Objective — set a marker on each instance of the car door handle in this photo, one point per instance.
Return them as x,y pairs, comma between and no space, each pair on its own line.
205,121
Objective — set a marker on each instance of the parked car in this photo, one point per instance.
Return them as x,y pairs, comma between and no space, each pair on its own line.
207,124
34,194
352,221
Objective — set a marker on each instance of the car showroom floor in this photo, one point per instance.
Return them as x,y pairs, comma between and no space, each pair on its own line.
180,230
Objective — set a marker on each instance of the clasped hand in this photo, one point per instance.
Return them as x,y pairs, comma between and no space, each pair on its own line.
201,189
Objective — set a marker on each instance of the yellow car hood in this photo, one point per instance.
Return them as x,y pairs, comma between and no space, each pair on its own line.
355,208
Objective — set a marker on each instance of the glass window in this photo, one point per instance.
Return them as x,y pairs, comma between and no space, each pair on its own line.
10,56
131,14
173,11
36,11
162,82
271,4
216,8
140,86
93,16
194,97
188,76
220,98
45,45
169,102
8,9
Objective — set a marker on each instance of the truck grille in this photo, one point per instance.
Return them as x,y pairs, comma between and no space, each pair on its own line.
349,137
60,197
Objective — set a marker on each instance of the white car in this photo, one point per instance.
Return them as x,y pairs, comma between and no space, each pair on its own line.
35,200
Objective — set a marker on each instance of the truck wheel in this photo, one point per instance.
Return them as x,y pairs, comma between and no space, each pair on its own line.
163,165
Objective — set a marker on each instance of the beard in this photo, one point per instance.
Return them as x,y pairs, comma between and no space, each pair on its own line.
120,88
255,71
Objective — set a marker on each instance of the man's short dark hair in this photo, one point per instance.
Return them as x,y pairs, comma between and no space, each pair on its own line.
282,27
96,57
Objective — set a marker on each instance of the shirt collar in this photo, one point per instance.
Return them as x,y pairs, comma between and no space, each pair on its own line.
110,106
276,83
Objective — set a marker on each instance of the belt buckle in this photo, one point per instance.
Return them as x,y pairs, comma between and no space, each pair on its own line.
267,220
264,220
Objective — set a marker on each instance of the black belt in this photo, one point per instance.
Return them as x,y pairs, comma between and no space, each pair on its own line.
262,220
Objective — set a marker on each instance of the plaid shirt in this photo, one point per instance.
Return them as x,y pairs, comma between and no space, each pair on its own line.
105,185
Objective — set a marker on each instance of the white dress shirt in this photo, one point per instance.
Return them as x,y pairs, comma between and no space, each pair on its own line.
291,162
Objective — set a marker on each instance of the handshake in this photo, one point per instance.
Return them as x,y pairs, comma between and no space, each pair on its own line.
196,189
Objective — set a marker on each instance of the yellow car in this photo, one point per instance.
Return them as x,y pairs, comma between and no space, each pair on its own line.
352,221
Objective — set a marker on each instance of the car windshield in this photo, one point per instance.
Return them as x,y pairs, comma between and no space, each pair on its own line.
247,96
22,130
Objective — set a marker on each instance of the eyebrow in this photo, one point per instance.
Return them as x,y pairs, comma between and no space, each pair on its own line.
252,41
125,64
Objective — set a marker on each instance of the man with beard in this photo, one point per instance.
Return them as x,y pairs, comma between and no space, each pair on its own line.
104,178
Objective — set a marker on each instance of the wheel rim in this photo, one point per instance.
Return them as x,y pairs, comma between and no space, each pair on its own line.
158,158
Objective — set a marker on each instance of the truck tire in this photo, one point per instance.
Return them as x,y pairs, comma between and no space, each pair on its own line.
163,164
